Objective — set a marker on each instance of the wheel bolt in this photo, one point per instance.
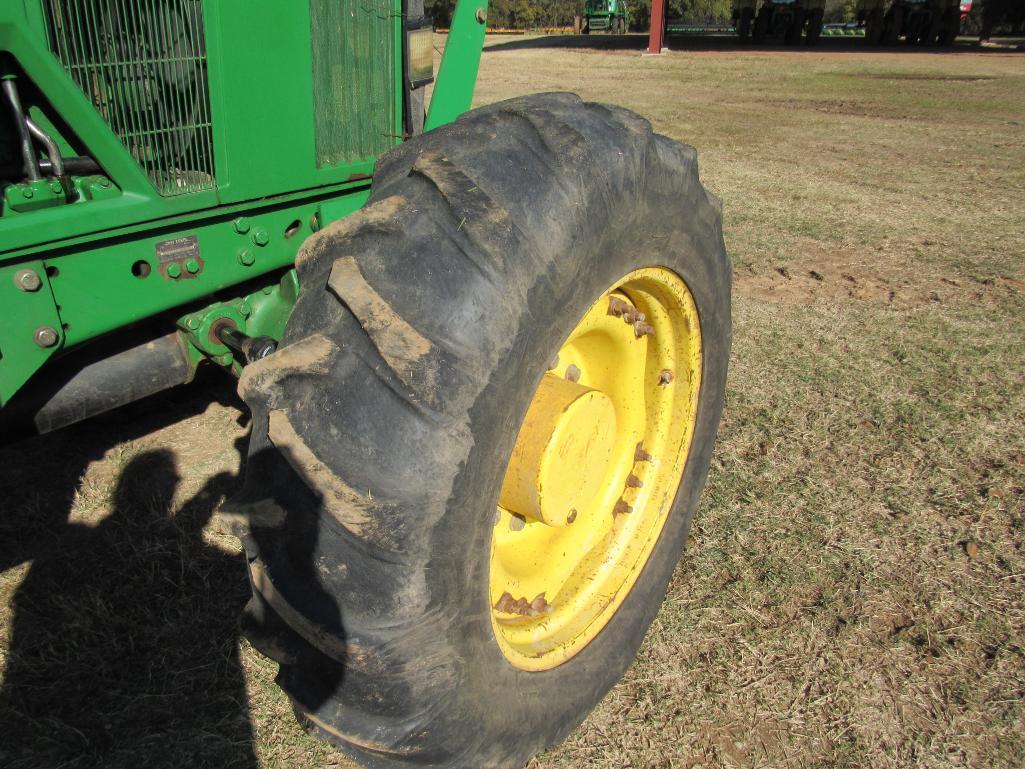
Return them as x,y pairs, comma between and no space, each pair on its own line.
665,376
622,506
46,336
641,455
28,280
572,373
633,482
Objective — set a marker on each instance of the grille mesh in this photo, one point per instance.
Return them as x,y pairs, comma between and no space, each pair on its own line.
353,78
142,63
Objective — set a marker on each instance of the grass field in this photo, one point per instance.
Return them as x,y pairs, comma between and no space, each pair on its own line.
854,592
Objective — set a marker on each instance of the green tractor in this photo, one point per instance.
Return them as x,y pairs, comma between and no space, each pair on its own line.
916,22
480,422
783,20
605,16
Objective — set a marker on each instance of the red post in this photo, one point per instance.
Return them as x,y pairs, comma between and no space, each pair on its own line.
656,37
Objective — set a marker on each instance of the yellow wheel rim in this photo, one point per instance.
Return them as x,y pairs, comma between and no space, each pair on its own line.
595,469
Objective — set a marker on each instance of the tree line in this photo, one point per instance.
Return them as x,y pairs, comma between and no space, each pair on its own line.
991,15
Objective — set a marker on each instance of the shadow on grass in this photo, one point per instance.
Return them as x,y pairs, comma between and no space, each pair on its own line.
725,43
124,638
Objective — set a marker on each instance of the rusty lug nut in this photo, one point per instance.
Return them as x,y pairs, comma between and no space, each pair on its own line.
46,336
643,329
640,455
572,373
633,482
622,507
618,307
572,516
665,376
28,280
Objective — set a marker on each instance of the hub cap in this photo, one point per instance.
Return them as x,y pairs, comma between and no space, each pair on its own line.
595,469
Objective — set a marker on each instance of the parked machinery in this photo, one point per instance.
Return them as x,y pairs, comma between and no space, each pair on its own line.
916,22
782,20
605,16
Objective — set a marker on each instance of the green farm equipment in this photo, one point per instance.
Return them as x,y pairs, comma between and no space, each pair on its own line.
916,22
605,16
480,422
782,20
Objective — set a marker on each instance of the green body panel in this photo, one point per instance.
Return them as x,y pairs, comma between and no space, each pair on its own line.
600,13
303,98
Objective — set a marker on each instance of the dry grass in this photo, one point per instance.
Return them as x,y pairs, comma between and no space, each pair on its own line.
854,594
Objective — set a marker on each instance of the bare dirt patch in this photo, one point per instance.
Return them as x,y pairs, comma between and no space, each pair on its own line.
823,273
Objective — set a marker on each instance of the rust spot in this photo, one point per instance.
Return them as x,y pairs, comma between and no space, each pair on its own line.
509,605
633,482
572,516
618,307
641,455
665,376
643,329
572,373
356,177
622,507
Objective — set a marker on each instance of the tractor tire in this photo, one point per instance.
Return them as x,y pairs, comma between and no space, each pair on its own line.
796,27
744,24
384,425
894,26
763,21
814,27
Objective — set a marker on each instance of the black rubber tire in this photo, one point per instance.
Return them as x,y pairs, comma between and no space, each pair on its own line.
744,23
762,23
383,425
796,27
814,27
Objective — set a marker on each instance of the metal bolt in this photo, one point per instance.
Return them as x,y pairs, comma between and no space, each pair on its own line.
641,455
622,507
260,237
192,323
192,265
26,192
245,257
517,522
244,308
241,225
56,187
633,482
226,359
665,376
572,373
28,280
103,181
482,15
46,336
174,270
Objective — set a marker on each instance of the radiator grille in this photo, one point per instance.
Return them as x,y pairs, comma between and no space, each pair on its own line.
142,63
354,84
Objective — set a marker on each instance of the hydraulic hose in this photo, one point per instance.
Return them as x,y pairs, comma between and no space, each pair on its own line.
28,152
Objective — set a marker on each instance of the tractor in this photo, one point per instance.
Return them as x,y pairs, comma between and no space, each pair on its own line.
484,351
605,15
783,20
917,22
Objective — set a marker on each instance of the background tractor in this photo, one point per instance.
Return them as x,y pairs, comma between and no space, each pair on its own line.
480,424
916,22
783,20
605,16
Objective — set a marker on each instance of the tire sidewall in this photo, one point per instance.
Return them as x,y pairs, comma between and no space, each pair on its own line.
559,699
